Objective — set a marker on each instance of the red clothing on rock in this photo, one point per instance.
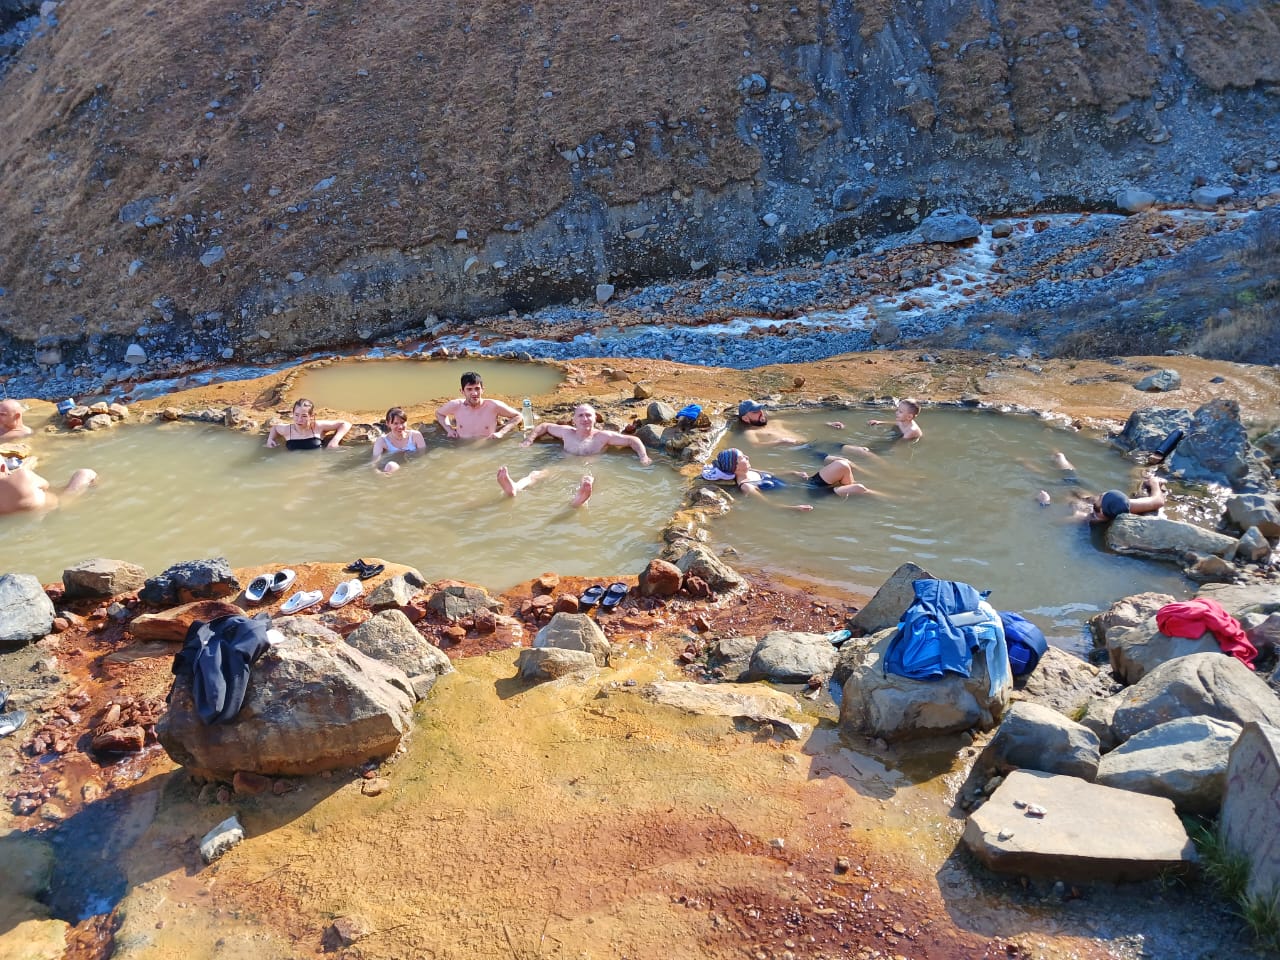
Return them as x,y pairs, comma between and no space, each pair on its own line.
1192,619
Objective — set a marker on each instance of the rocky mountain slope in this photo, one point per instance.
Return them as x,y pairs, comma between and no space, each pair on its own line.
223,178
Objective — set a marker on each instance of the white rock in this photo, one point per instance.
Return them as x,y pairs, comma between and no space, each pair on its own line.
220,839
770,219
604,292
135,355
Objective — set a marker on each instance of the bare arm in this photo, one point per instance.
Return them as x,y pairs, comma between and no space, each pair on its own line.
616,439
379,448
271,434
542,430
443,415
339,428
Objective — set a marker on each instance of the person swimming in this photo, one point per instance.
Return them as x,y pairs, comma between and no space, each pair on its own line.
734,466
305,432
398,439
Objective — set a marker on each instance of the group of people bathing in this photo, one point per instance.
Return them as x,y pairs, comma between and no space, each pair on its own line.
473,416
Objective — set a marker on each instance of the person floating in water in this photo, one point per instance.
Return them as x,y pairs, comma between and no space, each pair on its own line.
11,425
835,475
473,416
1153,495
581,439
905,420
398,439
24,489
305,432
734,466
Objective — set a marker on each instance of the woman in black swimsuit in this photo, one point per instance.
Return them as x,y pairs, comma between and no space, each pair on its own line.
305,432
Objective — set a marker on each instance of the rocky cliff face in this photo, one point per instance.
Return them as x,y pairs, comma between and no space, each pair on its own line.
233,178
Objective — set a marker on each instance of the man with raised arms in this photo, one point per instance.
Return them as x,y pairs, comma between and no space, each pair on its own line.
581,439
474,416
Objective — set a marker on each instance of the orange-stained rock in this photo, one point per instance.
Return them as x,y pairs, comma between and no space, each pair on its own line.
172,624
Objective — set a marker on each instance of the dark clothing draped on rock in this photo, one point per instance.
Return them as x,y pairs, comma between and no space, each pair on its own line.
217,656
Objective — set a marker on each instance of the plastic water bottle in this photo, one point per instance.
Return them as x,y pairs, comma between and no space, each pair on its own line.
526,414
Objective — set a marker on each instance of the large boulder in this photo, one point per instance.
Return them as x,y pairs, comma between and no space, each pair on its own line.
191,580
700,562
1203,684
459,600
946,226
1162,381
1064,828
1064,683
391,638
1033,737
26,612
1125,614
890,602
1254,510
1184,760
661,578
575,631
313,703
789,656
1159,538
1145,430
102,578
881,704
540,664
1216,449
1135,653
1248,824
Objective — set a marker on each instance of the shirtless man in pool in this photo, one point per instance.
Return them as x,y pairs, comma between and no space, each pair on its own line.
11,425
582,439
24,489
474,416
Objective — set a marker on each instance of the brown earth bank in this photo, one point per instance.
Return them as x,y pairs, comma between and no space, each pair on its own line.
572,820
256,178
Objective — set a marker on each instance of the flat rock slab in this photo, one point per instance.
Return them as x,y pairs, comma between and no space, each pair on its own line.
723,699
1087,834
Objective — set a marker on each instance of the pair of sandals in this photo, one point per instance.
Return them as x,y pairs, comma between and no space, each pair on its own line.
343,594
277,582
606,597
365,571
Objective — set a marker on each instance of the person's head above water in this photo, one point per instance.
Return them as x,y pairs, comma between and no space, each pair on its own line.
908,409
395,415
1110,505
584,416
752,414
472,388
730,464
11,419
304,411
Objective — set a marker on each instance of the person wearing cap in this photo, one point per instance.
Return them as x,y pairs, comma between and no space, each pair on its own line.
11,425
754,421
733,466
1111,504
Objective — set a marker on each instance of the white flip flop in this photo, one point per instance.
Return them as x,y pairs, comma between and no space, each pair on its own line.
346,591
283,580
257,589
301,600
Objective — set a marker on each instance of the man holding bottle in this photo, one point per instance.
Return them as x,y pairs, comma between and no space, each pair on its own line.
473,416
